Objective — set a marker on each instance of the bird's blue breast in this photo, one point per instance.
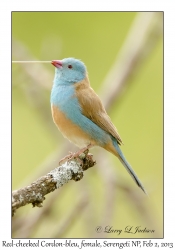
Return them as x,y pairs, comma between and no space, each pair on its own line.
64,97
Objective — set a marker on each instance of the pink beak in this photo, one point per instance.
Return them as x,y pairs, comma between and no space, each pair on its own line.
57,63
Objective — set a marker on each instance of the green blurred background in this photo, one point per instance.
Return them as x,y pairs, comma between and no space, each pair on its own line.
96,38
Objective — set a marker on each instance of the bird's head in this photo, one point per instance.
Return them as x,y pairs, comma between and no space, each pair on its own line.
69,70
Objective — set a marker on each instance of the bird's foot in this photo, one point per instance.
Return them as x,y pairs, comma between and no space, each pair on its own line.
78,153
66,158
74,155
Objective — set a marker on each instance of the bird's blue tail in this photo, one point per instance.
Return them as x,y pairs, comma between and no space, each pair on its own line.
128,167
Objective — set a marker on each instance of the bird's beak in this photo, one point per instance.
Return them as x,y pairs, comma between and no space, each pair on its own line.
57,63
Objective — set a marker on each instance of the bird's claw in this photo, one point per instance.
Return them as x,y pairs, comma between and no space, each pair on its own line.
66,158
74,155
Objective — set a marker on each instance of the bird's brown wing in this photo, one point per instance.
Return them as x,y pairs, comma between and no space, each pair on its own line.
93,109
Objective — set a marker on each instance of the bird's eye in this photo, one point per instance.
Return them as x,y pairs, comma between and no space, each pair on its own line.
69,66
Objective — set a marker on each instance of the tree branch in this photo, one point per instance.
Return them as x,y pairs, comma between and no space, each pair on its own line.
35,193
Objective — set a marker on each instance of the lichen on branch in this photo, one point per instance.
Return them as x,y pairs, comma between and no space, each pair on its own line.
35,193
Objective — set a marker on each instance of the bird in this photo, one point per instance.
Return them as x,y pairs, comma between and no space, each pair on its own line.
79,114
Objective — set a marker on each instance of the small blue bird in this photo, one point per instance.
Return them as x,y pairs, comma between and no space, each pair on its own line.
79,113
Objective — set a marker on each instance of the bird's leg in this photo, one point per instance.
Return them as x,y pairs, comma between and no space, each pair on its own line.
81,151
74,155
